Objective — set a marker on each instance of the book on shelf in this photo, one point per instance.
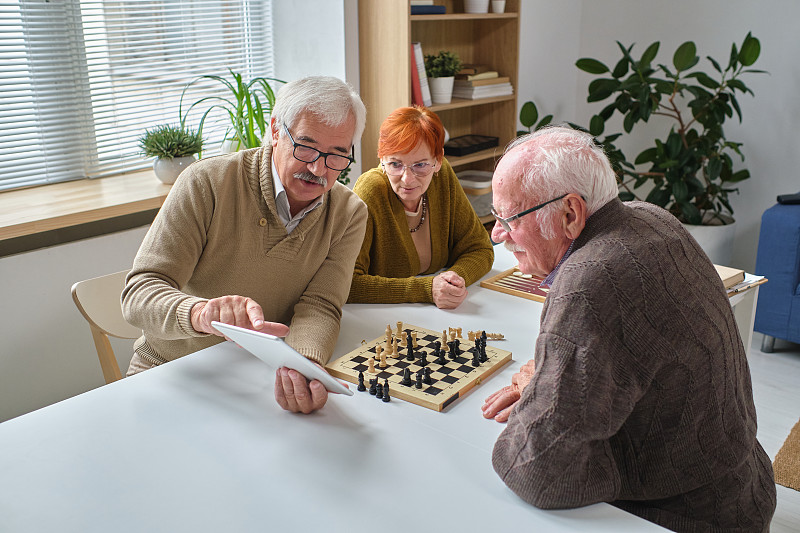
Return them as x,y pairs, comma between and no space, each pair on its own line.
416,88
421,2
729,276
481,83
428,10
479,76
484,91
470,68
419,63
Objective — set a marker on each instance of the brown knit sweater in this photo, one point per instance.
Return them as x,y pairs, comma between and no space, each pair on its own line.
641,395
218,234
387,266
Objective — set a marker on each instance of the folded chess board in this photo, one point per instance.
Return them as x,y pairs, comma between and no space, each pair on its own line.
514,282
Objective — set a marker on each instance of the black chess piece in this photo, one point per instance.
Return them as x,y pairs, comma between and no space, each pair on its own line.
476,357
406,377
372,386
419,379
385,391
423,360
361,386
440,357
426,379
484,357
379,391
409,347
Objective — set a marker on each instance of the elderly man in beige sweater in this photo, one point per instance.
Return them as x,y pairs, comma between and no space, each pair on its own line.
264,239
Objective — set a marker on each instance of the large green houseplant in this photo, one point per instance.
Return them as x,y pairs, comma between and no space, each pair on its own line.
690,169
247,105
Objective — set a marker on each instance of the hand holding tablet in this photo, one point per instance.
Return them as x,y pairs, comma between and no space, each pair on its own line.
276,353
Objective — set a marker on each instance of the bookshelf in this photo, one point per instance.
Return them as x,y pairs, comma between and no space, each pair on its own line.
386,31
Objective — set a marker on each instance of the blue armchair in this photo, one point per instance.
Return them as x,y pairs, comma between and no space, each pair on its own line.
778,310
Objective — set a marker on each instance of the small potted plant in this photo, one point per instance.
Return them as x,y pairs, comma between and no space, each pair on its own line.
173,147
441,70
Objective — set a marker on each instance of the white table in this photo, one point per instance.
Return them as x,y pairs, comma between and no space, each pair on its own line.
200,445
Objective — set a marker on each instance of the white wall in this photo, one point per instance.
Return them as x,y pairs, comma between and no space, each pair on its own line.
317,37
556,34
46,352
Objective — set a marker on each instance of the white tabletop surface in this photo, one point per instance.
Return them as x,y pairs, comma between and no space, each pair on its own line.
199,444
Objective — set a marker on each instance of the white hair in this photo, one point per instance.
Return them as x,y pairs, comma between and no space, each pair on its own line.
564,160
328,98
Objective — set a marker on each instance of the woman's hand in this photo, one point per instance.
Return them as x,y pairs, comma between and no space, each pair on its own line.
449,290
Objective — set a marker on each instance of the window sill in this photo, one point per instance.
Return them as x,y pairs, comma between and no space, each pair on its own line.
28,215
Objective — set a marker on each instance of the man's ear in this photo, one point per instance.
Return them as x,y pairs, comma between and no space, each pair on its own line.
274,130
574,215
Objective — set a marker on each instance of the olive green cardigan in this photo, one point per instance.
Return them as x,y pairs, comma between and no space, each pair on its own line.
387,266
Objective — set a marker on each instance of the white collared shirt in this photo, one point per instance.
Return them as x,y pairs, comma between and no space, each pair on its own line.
282,203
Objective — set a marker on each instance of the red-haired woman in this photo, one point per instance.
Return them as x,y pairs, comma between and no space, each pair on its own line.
424,242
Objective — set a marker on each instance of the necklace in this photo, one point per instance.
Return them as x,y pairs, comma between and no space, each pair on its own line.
424,211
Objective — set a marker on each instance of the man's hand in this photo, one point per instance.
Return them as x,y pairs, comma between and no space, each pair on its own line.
449,290
237,311
295,393
500,404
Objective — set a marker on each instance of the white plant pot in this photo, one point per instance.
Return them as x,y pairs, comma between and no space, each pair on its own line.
441,89
228,146
716,241
167,170
476,6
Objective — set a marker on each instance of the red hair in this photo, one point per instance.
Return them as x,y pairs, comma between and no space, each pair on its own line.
406,127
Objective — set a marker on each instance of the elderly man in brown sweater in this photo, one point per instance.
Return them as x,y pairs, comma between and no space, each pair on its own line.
264,239
639,392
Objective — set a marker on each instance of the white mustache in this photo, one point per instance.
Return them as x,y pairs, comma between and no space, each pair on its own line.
308,176
513,247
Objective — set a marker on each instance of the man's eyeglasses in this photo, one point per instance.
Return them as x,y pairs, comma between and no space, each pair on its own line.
396,168
306,154
505,221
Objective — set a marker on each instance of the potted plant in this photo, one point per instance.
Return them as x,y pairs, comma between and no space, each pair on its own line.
173,147
689,170
246,104
441,70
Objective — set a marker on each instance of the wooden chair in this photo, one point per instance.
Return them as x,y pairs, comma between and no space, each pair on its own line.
98,300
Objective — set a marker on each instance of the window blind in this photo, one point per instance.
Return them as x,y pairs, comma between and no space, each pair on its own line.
80,81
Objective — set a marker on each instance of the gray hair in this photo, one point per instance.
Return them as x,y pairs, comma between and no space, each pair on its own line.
564,160
329,98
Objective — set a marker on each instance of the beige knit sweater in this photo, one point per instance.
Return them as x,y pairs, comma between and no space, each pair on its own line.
218,234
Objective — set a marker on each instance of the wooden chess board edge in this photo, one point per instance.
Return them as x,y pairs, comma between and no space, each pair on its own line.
478,380
492,283
398,392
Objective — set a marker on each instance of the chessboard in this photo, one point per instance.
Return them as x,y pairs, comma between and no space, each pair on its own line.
514,282
447,382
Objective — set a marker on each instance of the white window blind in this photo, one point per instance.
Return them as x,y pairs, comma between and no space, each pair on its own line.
80,81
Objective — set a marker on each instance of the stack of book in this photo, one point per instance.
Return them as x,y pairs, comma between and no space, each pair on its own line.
478,81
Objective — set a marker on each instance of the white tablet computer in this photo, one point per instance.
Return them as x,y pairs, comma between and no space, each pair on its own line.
276,353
